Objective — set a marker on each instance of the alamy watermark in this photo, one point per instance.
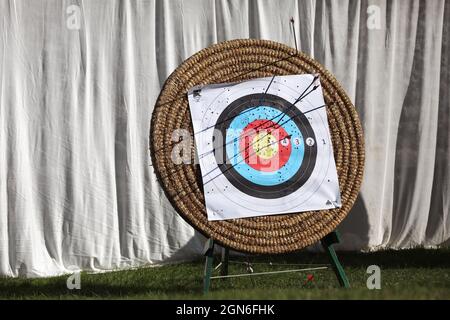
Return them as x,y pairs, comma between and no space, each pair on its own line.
255,147
73,18
374,280
374,17
73,282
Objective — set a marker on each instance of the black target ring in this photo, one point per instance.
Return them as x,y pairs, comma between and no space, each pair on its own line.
237,180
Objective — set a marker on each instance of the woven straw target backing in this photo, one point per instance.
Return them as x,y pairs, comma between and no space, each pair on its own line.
239,60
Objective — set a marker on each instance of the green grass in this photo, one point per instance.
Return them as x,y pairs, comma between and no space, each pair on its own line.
406,274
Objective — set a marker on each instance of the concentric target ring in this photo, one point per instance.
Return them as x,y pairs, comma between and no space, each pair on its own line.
288,114
239,60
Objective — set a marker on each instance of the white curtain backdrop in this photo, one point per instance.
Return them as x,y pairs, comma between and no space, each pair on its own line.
77,189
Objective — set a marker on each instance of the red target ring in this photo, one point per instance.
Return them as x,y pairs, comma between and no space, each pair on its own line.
265,146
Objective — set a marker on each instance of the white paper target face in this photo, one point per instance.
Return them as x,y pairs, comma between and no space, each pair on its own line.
261,150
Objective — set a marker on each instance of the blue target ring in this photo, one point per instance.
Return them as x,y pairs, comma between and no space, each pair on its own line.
235,132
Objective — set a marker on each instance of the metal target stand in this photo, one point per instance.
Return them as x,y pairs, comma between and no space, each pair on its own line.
327,243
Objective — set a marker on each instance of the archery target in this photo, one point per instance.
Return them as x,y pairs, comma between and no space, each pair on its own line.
266,156
261,151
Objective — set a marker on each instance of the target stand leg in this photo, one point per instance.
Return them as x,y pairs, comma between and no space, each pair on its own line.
327,243
224,261
208,252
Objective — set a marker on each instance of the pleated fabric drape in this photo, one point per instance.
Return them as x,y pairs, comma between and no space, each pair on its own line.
77,189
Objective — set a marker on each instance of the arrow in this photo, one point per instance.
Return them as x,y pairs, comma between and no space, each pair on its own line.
300,97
